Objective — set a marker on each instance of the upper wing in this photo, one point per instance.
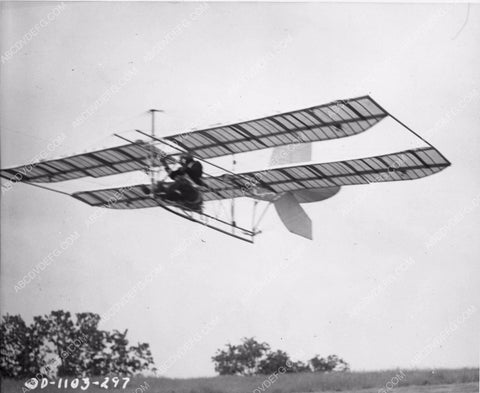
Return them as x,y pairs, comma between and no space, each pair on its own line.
335,120
330,121
112,161
406,165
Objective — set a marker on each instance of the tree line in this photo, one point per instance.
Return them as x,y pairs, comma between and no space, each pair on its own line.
252,357
59,345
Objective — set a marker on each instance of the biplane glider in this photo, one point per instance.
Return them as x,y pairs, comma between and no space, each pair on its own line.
284,187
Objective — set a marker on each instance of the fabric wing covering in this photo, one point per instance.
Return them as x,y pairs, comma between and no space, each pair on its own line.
406,165
112,161
324,122
131,197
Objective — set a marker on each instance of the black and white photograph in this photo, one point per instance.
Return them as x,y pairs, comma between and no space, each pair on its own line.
239,197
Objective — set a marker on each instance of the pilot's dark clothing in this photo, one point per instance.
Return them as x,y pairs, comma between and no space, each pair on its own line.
193,169
184,189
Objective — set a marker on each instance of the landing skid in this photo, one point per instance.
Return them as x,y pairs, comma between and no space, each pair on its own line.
208,221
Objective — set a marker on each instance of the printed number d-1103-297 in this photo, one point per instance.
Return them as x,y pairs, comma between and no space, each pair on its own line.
80,383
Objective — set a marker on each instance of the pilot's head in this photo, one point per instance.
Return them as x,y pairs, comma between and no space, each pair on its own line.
185,158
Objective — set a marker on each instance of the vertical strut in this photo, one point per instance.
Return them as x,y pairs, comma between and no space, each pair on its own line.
233,199
152,158
152,111
254,210
152,151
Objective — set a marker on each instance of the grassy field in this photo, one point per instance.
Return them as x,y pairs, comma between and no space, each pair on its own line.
408,381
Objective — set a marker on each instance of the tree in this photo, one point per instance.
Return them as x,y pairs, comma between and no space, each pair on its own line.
20,354
93,350
227,361
58,334
251,352
331,363
56,345
275,362
299,367
240,359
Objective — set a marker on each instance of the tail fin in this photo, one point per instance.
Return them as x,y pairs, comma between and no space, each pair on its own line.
293,216
288,208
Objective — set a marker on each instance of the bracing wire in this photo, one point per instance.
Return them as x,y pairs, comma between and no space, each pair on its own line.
47,188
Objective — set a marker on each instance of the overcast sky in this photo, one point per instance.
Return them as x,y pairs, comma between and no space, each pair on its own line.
391,266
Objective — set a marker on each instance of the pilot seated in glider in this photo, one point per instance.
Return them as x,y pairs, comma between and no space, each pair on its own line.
186,181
